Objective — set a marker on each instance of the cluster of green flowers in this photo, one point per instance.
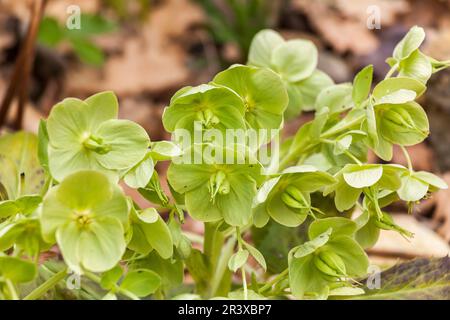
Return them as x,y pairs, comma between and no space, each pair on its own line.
64,186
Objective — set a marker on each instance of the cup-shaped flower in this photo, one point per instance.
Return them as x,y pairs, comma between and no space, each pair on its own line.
393,117
286,198
86,135
210,106
262,91
86,214
295,61
217,189
328,259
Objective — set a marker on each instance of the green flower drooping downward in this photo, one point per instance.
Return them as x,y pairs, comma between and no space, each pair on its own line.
86,215
286,198
87,135
328,260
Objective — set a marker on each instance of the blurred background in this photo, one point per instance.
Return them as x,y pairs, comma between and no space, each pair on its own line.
145,50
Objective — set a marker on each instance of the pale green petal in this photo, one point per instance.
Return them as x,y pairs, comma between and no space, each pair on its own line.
68,123
128,141
101,107
102,245
263,43
295,60
199,205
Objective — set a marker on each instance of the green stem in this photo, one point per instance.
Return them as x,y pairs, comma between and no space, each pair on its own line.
350,155
391,71
12,290
221,266
274,281
244,278
117,288
408,158
193,237
47,285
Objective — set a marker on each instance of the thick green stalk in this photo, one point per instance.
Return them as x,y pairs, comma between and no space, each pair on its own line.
47,285
117,288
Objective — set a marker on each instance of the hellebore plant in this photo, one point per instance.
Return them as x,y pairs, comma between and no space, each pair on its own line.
63,189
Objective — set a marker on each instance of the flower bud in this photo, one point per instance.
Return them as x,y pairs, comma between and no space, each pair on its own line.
294,198
330,263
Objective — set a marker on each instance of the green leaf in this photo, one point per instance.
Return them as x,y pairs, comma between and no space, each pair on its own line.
355,259
159,237
237,260
141,282
50,32
22,149
412,41
397,97
110,278
257,255
171,271
337,98
390,85
43,144
295,60
88,52
17,270
368,233
140,174
305,278
340,227
361,176
164,150
416,66
362,85
419,279
148,215
412,188
312,245
431,179
263,43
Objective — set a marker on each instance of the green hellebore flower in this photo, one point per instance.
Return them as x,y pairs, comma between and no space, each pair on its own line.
217,189
262,91
295,61
286,198
213,106
86,135
87,215
329,257
330,263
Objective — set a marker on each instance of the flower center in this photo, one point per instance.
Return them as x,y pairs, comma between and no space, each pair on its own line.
96,144
83,218
218,184
207,118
